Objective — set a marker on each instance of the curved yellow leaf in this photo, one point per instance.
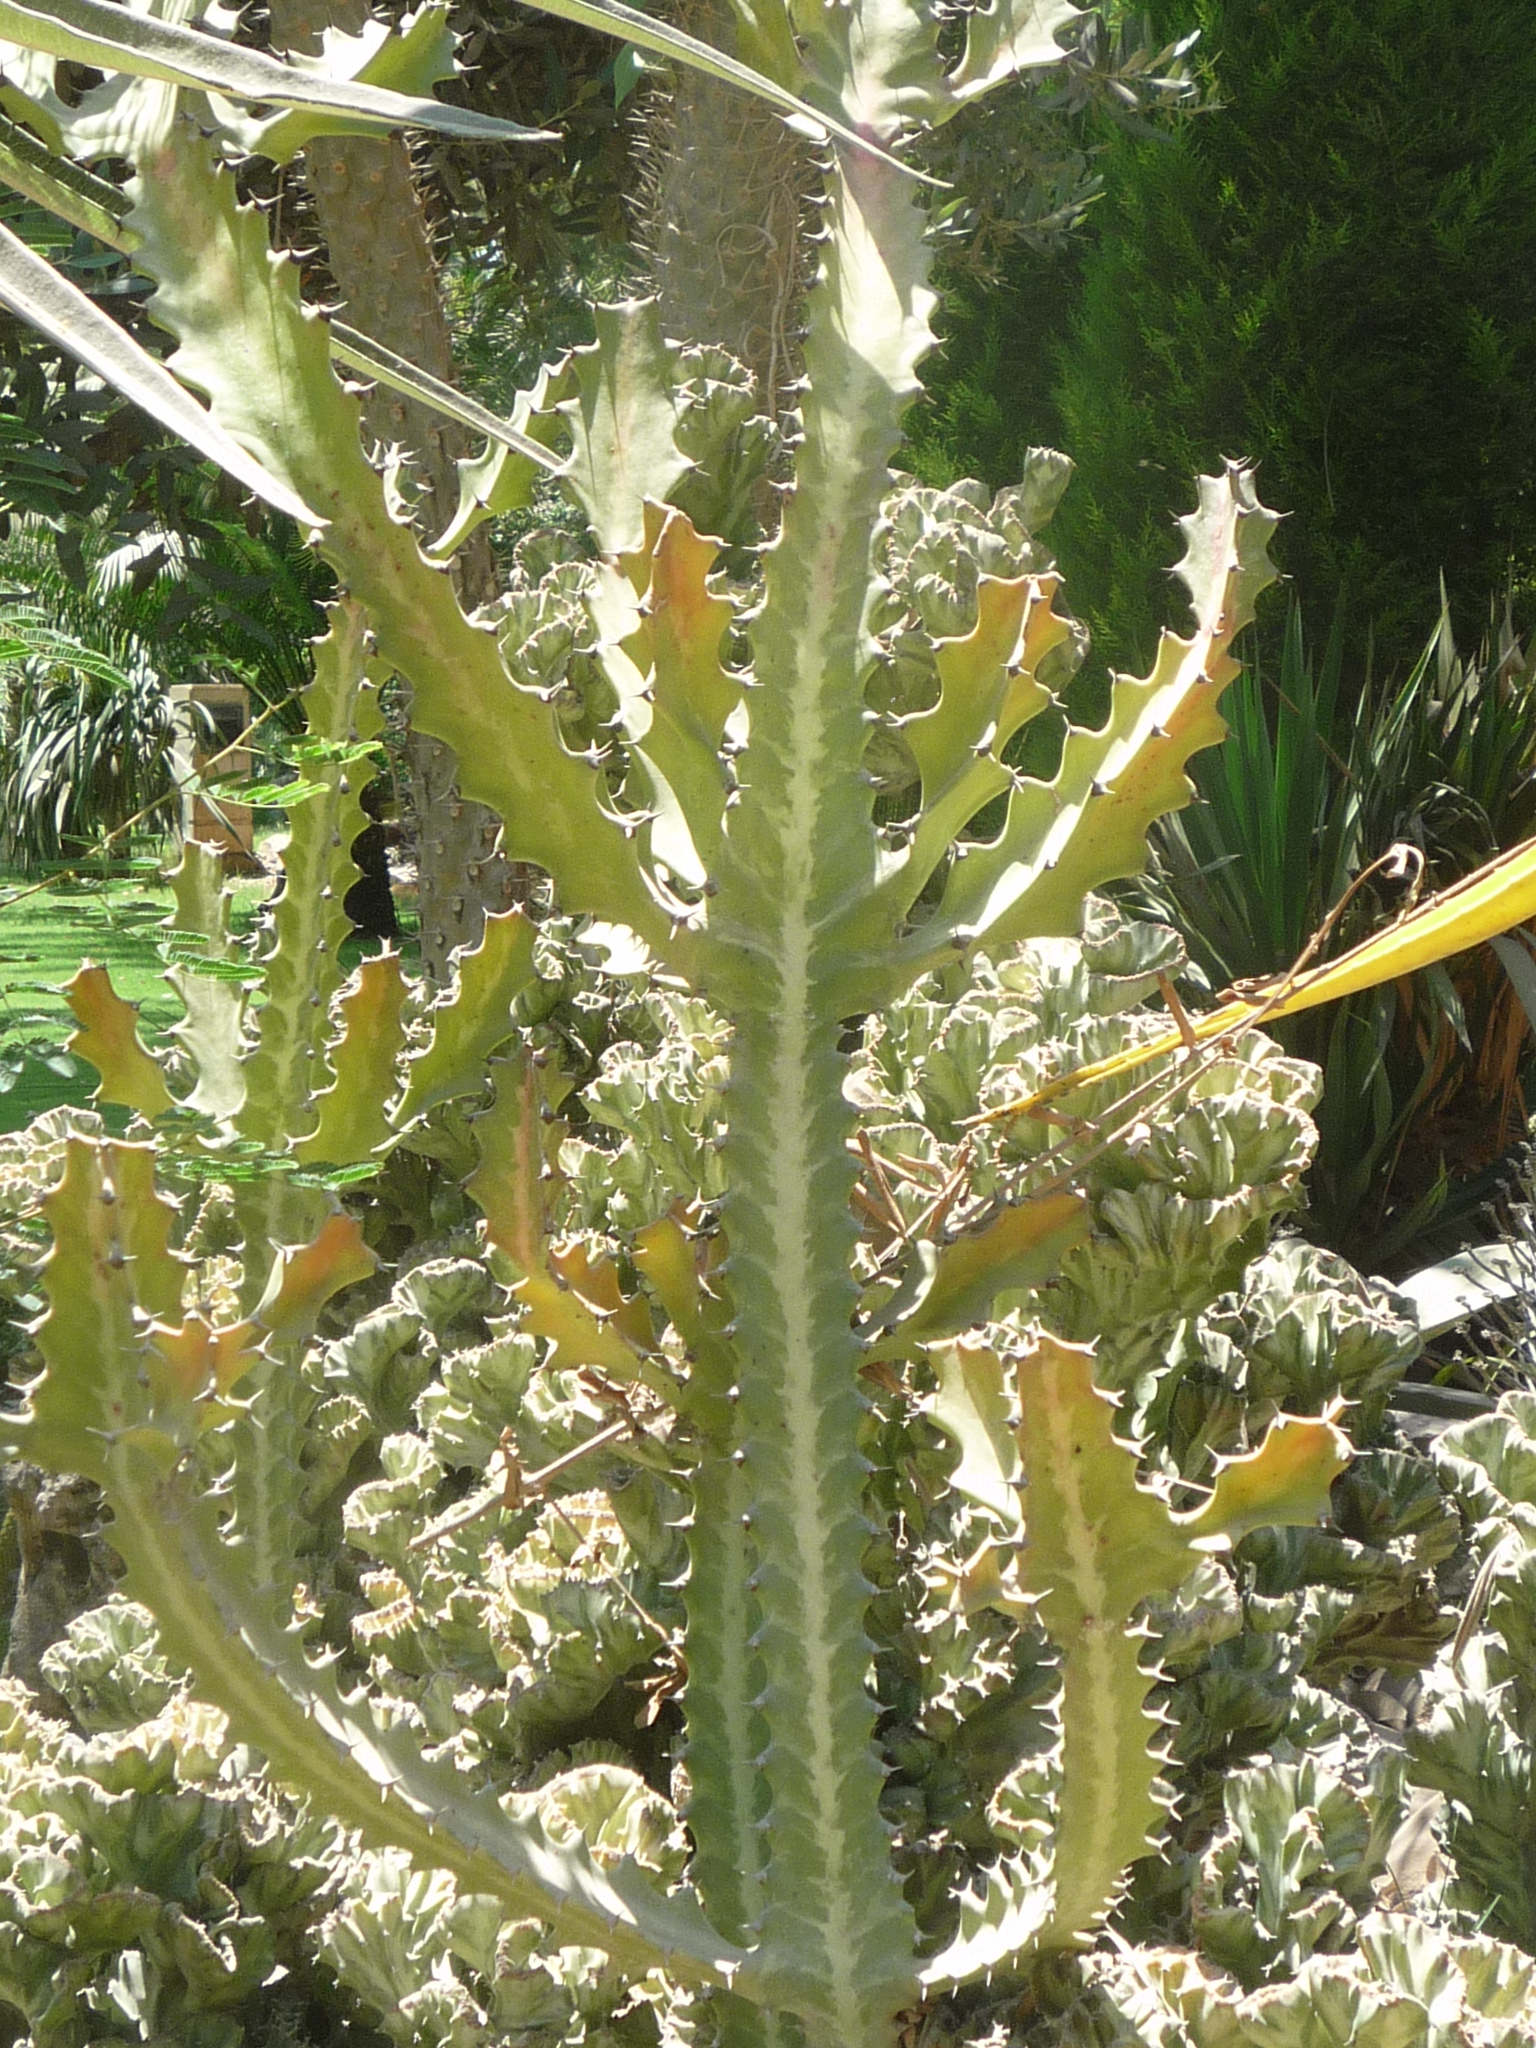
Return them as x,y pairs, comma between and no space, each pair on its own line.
1494,900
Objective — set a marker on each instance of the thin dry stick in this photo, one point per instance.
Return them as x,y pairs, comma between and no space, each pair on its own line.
515,1488
877,1169
1265,1002
1478,1598
625,1593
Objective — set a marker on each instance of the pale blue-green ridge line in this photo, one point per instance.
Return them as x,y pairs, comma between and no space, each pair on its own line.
836,1935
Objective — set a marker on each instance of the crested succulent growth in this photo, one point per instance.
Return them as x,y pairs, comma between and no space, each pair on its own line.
828,785
1477,1745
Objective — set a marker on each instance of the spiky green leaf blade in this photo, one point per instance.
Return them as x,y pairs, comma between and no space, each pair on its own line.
988,689
301,964
971,1407
91,1413
473,1018
35,291
507,1184
623,422
1001,40
1089,825
836,1933
109,1039
306,1276
1283,1484
111,1234
264,362
1097,1544
210,1033
502,479
676,647
112,38
285,1067
726,1733
354,1121
1022,1246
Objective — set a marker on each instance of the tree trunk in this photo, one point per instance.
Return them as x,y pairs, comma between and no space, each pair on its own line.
723,215
379,249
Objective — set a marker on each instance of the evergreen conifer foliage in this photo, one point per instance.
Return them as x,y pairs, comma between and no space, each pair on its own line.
1327,275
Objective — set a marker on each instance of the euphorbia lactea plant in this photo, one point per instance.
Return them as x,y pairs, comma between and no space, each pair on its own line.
724,816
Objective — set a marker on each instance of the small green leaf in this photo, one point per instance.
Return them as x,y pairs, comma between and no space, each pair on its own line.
286,796
629,67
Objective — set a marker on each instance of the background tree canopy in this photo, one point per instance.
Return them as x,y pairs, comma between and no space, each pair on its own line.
1331,276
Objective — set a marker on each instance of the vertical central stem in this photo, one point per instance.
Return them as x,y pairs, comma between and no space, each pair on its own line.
836,1936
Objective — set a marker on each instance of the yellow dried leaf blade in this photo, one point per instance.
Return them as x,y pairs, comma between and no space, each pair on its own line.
306,1276
1283,1484
1494,900
473,1019
109,1039
353,1121
1499,896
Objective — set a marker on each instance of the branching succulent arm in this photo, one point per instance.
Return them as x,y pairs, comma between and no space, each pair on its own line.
689,766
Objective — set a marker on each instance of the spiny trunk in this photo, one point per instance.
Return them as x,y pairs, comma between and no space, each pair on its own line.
379,247
722,217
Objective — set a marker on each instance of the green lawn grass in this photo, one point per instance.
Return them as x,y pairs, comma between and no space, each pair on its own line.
45,934
44,937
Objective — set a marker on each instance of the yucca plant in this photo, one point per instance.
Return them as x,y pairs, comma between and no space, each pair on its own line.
1317,781
85,742
684,754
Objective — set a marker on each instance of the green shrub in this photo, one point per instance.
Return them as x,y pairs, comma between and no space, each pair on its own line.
1328,275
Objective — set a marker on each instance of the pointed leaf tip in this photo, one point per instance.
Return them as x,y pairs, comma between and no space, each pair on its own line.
1285,1483
306,1276
109,1039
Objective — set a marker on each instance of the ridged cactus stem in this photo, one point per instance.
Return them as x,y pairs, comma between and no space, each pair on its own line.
836,1935
379,246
